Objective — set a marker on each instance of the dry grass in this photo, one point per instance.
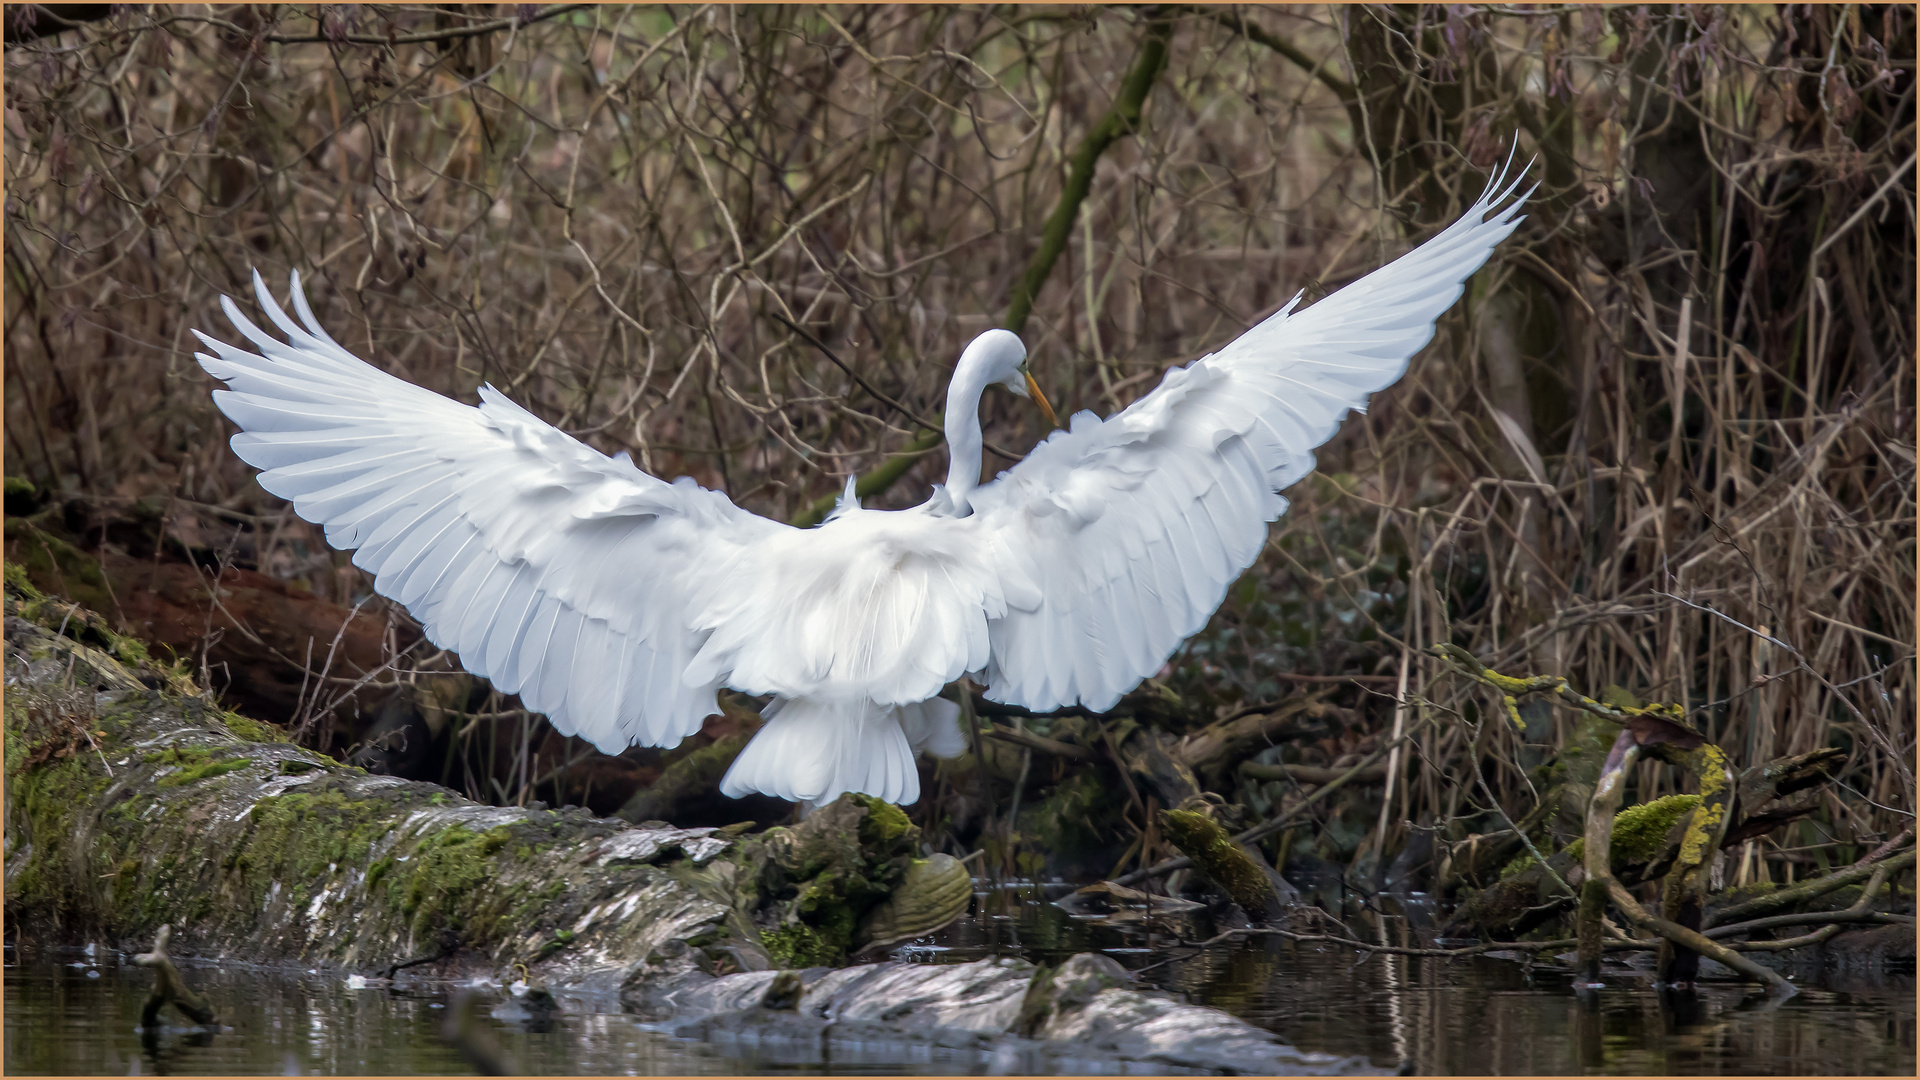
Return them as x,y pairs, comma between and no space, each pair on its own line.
1702,340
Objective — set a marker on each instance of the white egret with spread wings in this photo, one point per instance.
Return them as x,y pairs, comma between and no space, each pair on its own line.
618,603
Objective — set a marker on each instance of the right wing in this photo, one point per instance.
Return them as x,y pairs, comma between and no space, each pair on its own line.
1135,525
554,571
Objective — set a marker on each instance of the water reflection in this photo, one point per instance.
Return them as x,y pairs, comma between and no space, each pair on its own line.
1479,1016
60,1022
1483,1016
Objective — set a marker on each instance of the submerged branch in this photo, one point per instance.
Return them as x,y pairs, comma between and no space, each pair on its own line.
168,987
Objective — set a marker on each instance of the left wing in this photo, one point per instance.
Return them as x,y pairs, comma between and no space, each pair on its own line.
1135,525
557,572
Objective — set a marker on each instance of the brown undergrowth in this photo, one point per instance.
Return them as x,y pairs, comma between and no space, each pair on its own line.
1665,443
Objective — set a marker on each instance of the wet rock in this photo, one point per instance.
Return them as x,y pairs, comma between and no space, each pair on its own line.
1081,1018
934,892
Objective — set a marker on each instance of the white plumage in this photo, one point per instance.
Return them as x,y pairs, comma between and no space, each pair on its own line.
618,604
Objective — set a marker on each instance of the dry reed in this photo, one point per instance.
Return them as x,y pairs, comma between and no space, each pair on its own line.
1666,442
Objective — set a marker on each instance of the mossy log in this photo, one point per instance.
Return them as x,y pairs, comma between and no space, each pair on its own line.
1237,868
1646,839
131,807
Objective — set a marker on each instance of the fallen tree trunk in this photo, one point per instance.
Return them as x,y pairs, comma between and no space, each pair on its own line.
131,807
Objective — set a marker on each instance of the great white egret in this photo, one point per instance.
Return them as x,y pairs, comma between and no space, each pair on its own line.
618,604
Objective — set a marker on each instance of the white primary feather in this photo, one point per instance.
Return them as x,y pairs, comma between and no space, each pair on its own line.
617,603
1138,523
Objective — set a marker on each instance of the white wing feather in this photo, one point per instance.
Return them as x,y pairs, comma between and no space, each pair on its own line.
612,601
1135,525
617,603
557,572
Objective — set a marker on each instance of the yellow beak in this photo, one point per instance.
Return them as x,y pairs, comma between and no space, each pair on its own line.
1040,399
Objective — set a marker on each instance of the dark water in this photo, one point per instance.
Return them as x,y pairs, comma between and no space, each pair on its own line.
1481,1016
1485,1016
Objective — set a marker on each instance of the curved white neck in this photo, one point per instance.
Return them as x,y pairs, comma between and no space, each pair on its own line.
964,441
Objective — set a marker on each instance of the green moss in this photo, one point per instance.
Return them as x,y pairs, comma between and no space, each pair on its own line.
1521,862
88,627
1620,697
1640,832
824,875
253,730
130,650
433,883
532,903
179,755
193,774
693,774
800,946
301,836
1589,740
378,871
1073,823
57,566
1753,890
18,583
1217,856
21,495
125,876
16,729
829,906
885,824
47,798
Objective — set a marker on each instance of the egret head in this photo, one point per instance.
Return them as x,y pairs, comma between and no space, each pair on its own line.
1000,354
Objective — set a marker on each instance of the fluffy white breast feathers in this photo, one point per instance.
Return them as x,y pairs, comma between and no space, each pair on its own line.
618,604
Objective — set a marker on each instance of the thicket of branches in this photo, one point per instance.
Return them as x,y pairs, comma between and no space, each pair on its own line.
1666,442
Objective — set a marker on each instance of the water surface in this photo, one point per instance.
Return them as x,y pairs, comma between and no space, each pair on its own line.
67,1013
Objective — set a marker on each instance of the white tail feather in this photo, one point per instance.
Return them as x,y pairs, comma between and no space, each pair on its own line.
934,726
814,751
